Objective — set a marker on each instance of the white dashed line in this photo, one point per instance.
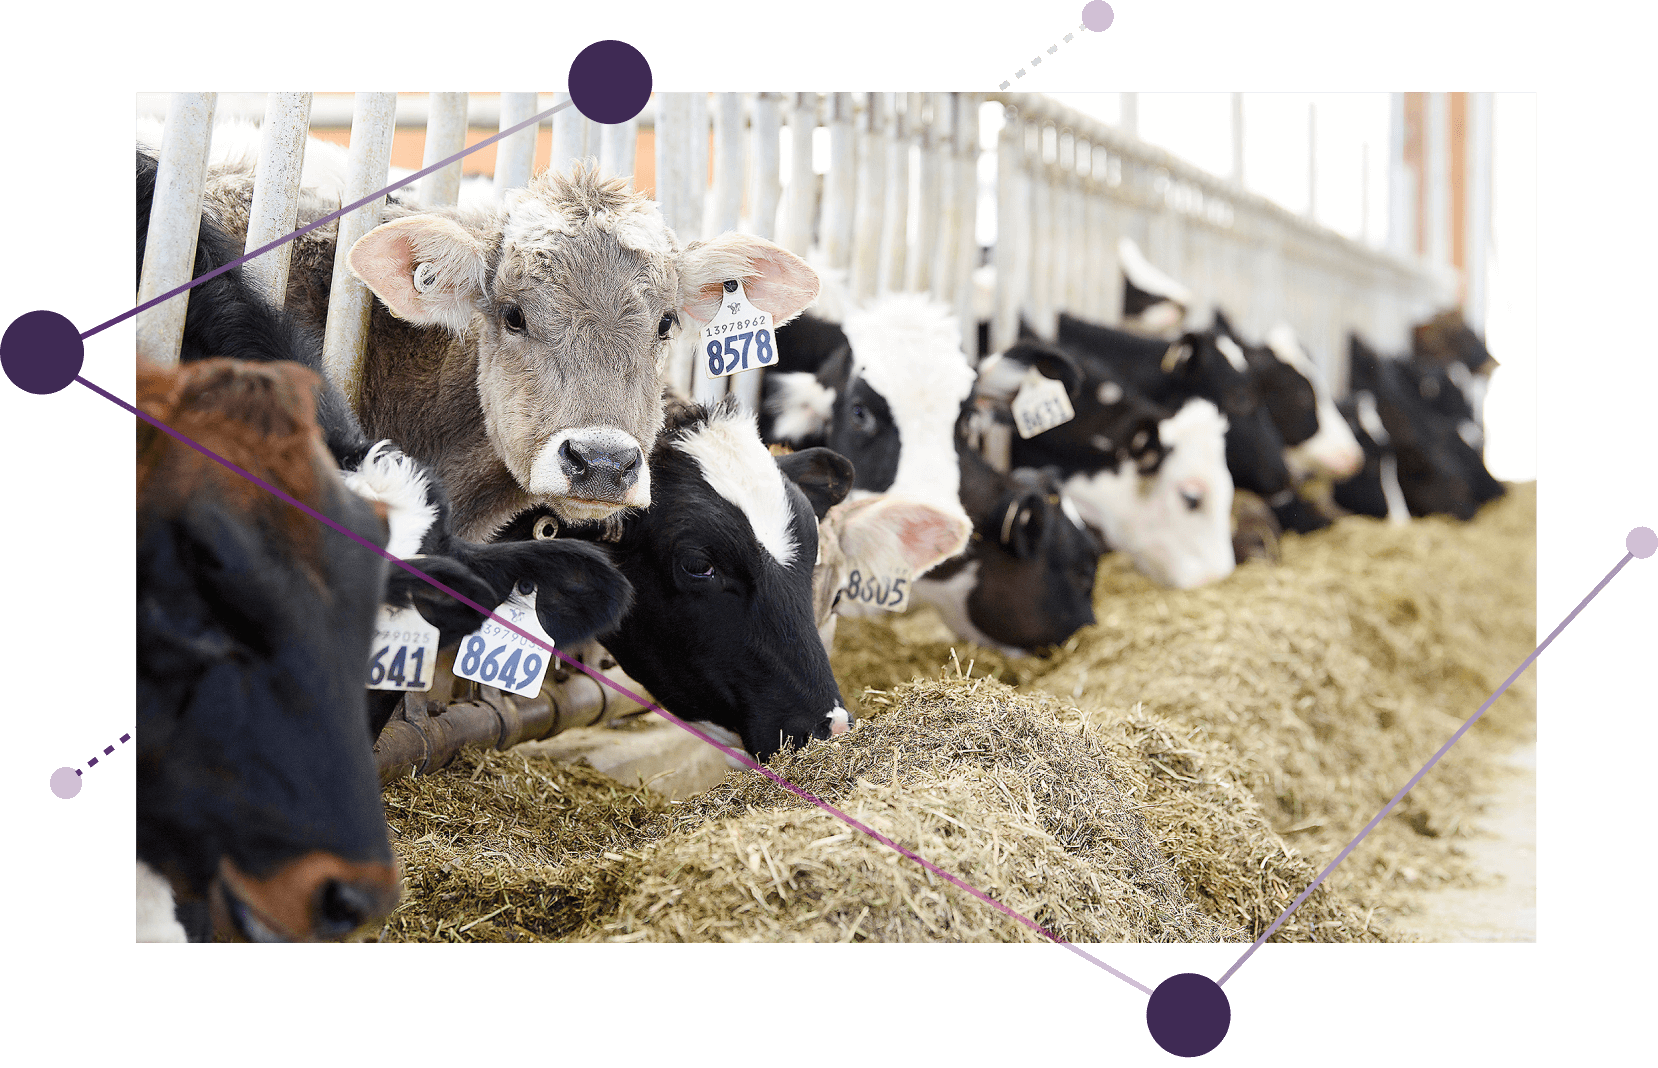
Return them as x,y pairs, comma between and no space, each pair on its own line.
1037,62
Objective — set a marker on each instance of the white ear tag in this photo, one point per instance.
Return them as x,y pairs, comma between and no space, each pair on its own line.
1041,404
425,277
405,647
496,656
867,587
739,337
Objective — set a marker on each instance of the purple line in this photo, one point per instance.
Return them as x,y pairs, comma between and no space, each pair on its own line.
605,680
1400,796
326,219
108,749
125,738
92,763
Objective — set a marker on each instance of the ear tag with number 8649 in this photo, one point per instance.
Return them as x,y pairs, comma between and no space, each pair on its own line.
496,656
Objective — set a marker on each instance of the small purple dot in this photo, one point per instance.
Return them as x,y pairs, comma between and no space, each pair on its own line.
1188,1014
610,81
41,352
1641,543
66,782
1097,15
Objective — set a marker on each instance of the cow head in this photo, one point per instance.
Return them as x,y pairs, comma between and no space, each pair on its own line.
878,535
722,627
1317,436
257,794
572,289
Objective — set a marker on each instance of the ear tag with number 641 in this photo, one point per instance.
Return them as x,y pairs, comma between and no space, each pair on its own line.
739,337
1041,404
496,656
404,650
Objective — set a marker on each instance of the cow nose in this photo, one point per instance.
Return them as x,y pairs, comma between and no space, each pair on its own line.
600,470
343,907
840,721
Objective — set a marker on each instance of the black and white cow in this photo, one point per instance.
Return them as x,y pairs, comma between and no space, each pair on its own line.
723,630
1439,471
1154,304
1153,481
259,813
1204,365
578,592
887,388
1446,342
1317,439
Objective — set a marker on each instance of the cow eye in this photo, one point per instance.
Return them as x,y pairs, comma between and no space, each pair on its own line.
666,324
862,420
513,316
697,568
526,587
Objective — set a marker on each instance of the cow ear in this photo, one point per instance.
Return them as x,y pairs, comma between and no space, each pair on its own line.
777,281
824,476
1020,531
882,530
426,268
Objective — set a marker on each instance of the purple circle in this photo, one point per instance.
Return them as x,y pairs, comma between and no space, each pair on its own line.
66,783
1641,543
41,352
610,82
1097,15
1188,1014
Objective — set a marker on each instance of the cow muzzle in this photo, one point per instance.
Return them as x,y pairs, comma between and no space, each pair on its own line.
592,471
316,897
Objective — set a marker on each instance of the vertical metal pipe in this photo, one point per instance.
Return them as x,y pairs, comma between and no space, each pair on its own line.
1039,306
839,184
951,198
670,161
895,217
570,138
1480,126
725,200
1400,227
515,155
1237,138
275,206
1312,162
696,168
618,142
765,185
1130,114
933,137
345,336
1437,156
967,220
801,203
445,136
871,198
175,219
1012,226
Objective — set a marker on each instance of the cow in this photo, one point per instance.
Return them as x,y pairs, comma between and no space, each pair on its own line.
1153,481
1317,439
1439,472
723,631
889,389
1154,304
1205,365
515,346
578,592
1446,342
1374,489
259,814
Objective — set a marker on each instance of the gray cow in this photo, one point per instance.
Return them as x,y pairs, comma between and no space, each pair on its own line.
518,346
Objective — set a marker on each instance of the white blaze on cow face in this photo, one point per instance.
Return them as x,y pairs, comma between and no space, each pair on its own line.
157,920
1177,523
800,404
1332,449
907,347
739,468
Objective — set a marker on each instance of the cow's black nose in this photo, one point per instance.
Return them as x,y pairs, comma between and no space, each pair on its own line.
601,471
343,907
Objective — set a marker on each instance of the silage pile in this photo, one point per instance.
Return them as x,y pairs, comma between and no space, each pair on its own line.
1178,772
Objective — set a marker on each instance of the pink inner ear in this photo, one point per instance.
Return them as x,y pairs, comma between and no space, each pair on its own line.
928,536
706,303
783,283
385,263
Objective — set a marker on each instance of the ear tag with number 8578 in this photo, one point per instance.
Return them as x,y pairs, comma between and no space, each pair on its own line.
739,337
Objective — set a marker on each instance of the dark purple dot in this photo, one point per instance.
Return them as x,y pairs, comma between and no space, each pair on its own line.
1097,15
1188,1014
610,82
41,352
66,782
1641,543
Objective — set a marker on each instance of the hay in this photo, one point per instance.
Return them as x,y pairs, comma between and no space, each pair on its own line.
1180,771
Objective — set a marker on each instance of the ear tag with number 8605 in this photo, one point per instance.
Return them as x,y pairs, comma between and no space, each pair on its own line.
496,656
739,337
